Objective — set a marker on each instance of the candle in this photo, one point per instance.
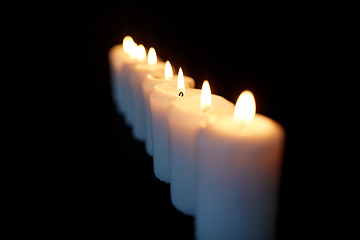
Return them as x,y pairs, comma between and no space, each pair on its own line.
115,66
160,98
239,160
122,60
185,118
141,70
149,83
118,55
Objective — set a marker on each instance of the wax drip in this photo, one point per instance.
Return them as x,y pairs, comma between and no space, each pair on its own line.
181,94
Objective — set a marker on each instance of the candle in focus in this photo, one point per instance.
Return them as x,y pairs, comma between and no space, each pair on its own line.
239,160
185,118
149,83
160,98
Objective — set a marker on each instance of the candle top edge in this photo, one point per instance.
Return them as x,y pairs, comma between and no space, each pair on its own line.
262,127
219,106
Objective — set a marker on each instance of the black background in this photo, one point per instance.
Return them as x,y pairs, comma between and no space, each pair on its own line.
276,52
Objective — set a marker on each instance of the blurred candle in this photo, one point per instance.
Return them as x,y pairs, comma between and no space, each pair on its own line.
185,118
239,160
122,61
149,83
141,70
138,52
160,98
118,56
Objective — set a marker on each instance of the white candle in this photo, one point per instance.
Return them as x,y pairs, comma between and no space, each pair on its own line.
160,98
115,66
141,70
185,118
149,83
118,56
122,61
239,160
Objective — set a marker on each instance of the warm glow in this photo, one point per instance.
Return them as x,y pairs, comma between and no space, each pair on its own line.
133,50
141,52
181,83
245,107
205,100
168,71
128,42
152,58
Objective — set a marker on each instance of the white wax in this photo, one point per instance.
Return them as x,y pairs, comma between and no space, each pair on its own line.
116,59
237,182
149,83
121,68
137,78
185,119
160,98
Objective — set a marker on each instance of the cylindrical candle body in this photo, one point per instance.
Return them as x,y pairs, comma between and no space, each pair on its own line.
185,118
160,98
121,69
141,70
127,71
149,83
116,60
237,182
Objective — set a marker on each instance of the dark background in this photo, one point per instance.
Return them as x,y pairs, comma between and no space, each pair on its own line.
276,52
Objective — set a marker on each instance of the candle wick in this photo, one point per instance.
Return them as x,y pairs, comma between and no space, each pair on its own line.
181,94
206,109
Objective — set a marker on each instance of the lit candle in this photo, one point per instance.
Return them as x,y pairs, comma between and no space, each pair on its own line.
160,98
149,83
118,56
239,160
185,118
122,61
141,70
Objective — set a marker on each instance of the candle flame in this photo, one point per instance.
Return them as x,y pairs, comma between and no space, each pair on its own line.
205,99
141,52
245,107
152,58
168,71
128,42
133,50
181,83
